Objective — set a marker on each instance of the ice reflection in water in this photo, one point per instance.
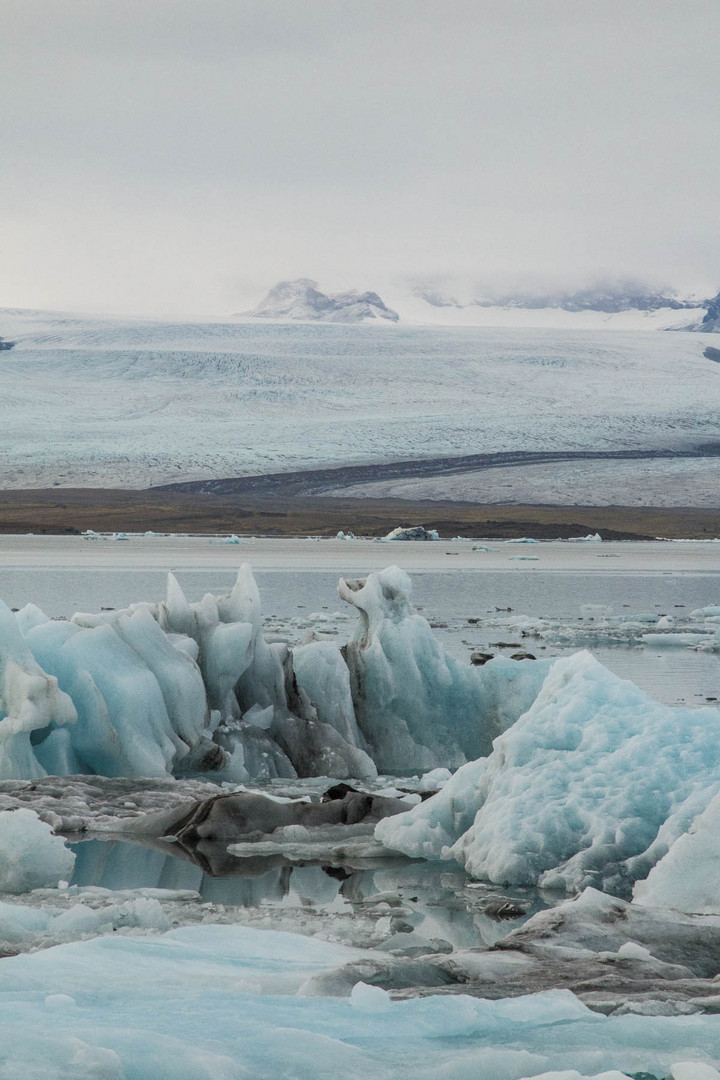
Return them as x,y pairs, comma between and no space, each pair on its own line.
392,904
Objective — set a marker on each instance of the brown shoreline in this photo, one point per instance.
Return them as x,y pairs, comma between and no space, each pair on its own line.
73,510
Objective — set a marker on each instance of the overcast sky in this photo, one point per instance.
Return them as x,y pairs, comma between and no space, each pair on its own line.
183,155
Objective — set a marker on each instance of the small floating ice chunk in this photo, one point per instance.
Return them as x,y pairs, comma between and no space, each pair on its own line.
674,641
693,1070
369,999
435,779
632,951
412,532
31,855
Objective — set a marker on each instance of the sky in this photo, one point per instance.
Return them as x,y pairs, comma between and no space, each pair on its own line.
175,156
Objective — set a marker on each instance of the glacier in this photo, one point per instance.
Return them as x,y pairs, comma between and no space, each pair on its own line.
204,400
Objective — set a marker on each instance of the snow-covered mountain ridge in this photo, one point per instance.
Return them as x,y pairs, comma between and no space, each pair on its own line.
608,300
302,300
711,321
623,306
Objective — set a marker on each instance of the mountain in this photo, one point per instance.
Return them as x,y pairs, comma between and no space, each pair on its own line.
609,300
711,322
301,299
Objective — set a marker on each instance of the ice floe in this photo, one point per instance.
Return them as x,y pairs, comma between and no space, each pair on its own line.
224,1003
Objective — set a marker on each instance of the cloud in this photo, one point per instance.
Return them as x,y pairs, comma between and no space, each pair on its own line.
169,155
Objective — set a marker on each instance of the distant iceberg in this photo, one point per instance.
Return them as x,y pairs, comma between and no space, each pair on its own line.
412,532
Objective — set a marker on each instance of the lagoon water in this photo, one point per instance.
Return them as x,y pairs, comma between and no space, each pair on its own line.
453,582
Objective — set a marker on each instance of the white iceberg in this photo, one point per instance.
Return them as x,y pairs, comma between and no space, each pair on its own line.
31,855
590,787
412,532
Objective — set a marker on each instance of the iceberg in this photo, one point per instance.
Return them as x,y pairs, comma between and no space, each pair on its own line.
412,532
180,688
31,855
591,786
418,707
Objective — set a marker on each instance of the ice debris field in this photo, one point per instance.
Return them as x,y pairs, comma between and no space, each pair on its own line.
393,784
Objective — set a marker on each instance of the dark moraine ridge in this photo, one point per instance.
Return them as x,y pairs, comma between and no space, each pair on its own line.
316,481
